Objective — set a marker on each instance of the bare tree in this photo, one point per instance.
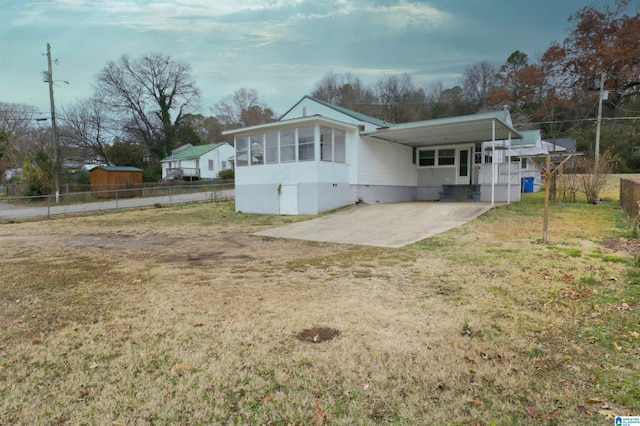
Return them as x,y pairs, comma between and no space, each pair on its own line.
478,80
242,108
399,99
87,125
151,94
21,134
328,88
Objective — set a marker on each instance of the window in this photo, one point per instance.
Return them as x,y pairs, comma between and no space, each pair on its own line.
446,157
523,164
427,158
223,165
271,147
326,144
287,145
339,146
242,151
210,165
257,149
306,143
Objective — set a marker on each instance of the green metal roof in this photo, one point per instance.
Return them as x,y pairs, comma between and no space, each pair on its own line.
346,111
194,151
119,168
529,137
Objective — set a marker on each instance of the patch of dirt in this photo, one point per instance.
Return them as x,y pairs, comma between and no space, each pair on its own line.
623,245
317,334
122,240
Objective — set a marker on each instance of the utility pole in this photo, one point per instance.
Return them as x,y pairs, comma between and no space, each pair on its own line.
55,145
598,125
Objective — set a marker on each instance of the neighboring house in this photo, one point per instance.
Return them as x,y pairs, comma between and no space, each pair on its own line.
198,162
320,156
524,151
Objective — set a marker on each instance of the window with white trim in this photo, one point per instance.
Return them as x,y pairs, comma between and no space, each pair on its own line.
210,165
242,151
271,147
427,157
446,157
436,157
306,142
287,145
326,144
257,149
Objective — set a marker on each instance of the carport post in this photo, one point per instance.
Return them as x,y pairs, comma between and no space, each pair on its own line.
493,162
509,171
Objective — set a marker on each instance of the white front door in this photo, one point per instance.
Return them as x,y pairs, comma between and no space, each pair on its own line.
289,199
463,166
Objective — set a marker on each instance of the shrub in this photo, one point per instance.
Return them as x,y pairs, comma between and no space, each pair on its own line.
227,174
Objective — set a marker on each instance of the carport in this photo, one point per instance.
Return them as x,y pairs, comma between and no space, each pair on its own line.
452,131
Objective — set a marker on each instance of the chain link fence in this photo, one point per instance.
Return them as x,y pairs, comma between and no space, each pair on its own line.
108,197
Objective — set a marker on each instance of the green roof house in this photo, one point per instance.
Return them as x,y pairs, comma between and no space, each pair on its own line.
198,162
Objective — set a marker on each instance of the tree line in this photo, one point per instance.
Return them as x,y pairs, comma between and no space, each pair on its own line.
148,105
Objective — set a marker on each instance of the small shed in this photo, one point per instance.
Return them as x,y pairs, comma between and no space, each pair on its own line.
116,182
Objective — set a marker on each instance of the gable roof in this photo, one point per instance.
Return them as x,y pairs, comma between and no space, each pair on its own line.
118,168
342,110
529,137
194,151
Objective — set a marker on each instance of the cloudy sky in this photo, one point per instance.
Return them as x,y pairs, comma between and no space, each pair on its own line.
279,47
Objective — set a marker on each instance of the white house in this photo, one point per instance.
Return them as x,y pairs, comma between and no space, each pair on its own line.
320,156
198,162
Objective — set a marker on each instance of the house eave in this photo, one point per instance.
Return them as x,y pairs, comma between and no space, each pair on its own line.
450,131
312,119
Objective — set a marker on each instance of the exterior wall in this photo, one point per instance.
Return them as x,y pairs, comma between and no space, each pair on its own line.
371,194
384,163
293,188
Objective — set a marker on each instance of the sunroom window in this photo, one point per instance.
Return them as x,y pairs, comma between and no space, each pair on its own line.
271,147
305,143
257,149
287,145
242,151
326,144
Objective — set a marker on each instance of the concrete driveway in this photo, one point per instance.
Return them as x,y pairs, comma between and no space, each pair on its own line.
383,225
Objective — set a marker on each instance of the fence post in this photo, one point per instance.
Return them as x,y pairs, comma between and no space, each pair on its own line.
116,199
170,199
48,206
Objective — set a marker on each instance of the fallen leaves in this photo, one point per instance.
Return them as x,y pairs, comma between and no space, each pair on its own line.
475,401
180,367
551,415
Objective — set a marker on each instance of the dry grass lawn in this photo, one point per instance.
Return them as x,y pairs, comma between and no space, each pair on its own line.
180,316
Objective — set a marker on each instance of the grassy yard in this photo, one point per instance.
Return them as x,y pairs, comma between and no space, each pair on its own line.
180,316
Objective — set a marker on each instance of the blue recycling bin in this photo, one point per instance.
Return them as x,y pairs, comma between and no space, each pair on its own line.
527,184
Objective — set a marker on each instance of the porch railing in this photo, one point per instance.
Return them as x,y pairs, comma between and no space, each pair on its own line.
504,173
184,172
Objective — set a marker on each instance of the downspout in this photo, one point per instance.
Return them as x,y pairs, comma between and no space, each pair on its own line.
493,162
